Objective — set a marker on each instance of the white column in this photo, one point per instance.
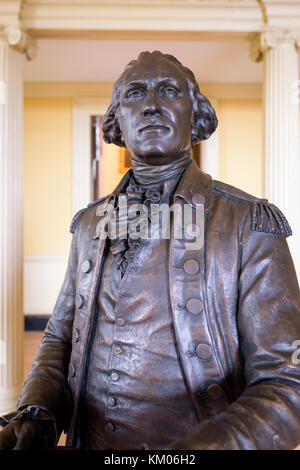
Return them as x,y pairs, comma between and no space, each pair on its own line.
11,226
281,126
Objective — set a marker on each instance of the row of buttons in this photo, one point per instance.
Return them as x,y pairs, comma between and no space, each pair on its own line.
111,401
85,268
214,391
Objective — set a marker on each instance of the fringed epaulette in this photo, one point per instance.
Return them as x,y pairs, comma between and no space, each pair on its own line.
265,217
80,213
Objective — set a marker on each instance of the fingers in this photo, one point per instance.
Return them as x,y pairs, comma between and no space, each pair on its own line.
22,435
8,436
30,436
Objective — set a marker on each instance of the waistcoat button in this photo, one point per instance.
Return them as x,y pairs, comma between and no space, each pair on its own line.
111,401
203,351
198,199
72,369
120,321
114,376
191,266
118,350
215,391
79,301
86,266
110,427
194,305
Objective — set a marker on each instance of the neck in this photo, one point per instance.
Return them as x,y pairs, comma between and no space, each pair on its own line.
145,173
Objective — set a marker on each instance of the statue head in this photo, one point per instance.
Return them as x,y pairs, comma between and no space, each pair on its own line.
157,110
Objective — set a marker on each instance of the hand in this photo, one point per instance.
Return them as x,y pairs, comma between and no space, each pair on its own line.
21,435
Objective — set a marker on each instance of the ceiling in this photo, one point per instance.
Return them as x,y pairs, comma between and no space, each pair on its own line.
104,60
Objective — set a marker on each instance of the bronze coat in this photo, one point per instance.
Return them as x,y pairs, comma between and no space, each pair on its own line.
236,352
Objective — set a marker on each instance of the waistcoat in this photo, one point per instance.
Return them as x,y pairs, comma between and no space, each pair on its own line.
136,393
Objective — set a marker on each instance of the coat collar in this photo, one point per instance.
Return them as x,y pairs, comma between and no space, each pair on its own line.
195,186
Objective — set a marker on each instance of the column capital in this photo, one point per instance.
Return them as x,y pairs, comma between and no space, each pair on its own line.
271,37
12,29
20,40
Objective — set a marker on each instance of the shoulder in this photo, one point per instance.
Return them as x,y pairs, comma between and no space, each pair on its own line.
264,216
233,192
81,212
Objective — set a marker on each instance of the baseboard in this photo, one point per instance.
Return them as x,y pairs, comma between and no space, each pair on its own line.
35,322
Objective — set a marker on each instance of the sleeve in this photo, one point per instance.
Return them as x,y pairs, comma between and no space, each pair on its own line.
44,395
266,415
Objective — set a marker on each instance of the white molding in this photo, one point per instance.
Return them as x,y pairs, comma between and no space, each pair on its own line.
83,109
53,18
283,13
103,90
12,30
9,12
43,277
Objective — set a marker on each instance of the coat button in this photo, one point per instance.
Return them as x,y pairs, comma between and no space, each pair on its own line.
203,351
215,391
114,376
76,335
110,427
86,266
72,369
120,321
118,350
111,401
79,301
194,305
191,266
198,199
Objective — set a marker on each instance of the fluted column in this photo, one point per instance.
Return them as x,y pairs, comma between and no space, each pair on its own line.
11,225
278,48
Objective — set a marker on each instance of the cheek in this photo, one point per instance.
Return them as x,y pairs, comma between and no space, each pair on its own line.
125,120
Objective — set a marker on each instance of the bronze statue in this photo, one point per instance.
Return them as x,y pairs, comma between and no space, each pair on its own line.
155,342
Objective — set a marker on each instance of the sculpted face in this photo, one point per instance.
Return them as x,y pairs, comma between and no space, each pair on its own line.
155,111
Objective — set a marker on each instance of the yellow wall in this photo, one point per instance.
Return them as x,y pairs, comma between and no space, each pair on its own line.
111,167
240,144
47,174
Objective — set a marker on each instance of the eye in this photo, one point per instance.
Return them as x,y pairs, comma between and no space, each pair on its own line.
135,94
170,91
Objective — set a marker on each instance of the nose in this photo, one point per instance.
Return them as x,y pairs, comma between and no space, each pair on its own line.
152,107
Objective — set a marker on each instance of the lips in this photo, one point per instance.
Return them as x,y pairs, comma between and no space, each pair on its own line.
153,127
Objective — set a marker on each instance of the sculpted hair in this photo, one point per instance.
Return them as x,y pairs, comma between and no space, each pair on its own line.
203,120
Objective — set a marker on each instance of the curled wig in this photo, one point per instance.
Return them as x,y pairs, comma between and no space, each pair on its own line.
203,120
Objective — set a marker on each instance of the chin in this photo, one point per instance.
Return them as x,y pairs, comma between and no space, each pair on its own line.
152,153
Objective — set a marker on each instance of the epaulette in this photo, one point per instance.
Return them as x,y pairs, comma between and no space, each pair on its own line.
80,213
265,217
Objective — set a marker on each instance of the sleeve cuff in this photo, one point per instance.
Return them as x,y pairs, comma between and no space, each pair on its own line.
33,413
